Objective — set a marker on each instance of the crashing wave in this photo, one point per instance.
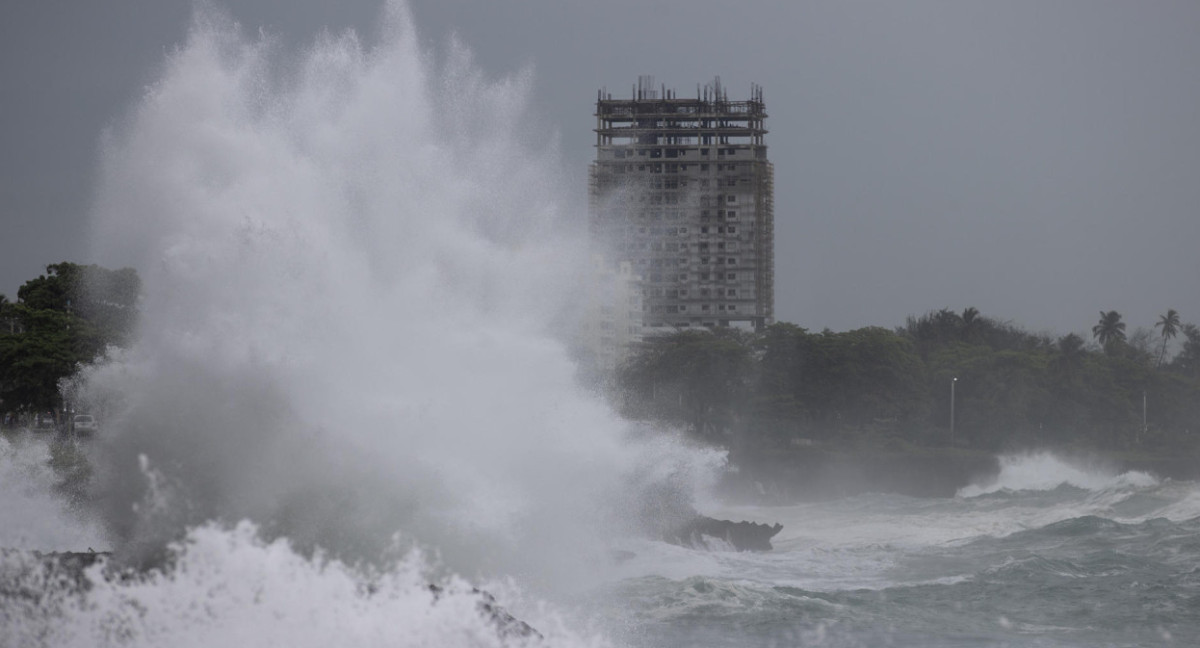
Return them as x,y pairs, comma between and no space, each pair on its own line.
1045,471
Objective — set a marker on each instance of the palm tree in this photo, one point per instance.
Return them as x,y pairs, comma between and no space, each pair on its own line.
1110,330
1170,328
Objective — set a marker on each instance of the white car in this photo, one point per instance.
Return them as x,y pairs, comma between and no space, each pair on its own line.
83,423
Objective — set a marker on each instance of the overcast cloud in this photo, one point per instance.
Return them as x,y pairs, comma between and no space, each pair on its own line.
1039,161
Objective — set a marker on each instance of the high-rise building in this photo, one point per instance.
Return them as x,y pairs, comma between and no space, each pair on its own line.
611,317
682,190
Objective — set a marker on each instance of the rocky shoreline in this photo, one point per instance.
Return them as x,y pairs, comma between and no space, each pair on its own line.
30,577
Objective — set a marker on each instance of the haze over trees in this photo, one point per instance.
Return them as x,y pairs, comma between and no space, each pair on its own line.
783,387
877,387
62,319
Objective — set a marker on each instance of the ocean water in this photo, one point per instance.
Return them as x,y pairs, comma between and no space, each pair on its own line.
1050,554
1046,562
350,381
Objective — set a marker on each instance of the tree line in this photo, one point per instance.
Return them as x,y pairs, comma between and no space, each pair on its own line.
781,387
878,387
61,320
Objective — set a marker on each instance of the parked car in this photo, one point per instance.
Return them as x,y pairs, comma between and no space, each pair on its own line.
83,424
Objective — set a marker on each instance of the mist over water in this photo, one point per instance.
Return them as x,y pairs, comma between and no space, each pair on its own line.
349,381
355,260
32,516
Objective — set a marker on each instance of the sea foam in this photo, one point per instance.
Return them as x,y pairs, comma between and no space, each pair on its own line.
1043,471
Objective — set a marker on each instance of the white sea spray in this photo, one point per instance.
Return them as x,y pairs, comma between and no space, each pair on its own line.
359,259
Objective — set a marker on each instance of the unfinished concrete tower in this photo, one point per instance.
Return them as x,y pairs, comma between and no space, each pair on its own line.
682,190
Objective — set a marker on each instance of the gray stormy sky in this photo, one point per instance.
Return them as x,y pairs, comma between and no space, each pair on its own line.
1039,160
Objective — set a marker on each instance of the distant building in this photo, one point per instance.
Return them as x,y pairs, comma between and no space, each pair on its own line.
612,315
682,191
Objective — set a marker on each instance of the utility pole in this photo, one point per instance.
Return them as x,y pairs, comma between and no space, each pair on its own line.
952,382
1138,440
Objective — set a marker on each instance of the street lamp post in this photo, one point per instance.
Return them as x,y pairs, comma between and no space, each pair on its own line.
1138,438
952,382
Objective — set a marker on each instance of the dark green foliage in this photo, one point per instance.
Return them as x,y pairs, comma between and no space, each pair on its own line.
858,378
31,362
8,316
877,374
933,330
699,379
1188,360
785,386
105,300
61,319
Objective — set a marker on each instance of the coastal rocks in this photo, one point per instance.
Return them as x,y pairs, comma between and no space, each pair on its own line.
28,575
666,513
507,626
37,588
742,536
42,584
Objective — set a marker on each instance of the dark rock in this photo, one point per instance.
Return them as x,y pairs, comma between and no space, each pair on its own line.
743,536
75,561
507,626
621,555
32,581
665,512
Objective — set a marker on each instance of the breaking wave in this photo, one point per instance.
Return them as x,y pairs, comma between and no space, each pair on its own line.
359,265
229,587
1044,471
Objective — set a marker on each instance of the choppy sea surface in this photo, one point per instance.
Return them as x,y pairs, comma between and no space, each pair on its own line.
1047,554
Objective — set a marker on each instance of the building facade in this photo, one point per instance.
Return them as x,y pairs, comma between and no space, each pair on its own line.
611,316
682,191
